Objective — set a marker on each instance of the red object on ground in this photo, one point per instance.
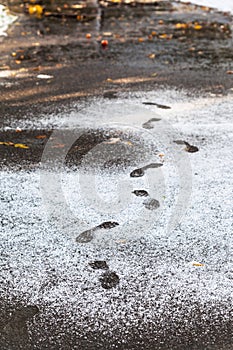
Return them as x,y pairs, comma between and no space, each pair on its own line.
104,43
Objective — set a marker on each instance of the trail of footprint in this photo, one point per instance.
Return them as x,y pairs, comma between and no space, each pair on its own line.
156,104
148,124
141,171
87,236
109,279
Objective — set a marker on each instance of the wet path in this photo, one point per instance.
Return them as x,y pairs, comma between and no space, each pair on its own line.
135,273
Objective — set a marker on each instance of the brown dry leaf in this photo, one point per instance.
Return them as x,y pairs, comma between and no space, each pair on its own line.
230,72
121,241
113,140
161,155
59,145
20,145
140,40
151,56
17,61
41,137
153,33
109,80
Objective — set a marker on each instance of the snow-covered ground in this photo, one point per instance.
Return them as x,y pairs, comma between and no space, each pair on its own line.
225,5
44,211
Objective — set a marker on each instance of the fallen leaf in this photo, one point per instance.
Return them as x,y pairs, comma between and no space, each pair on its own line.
18,130
165,36
197,27
151,56
20,145
181,25
140,40
44,76
36,10
230,72
121,241
113,140
88,35
41,137
104,43
59,145
196,264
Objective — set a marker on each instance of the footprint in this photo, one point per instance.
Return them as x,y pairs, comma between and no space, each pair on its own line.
156,104
141,171
148,124
189,148
140,193
151,204
110,94
99,265
108,224
109,280
87,236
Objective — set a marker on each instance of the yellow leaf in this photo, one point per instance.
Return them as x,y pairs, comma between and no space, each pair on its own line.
197,264
7,143
197,27
20,145
165,36
35,10
181,25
